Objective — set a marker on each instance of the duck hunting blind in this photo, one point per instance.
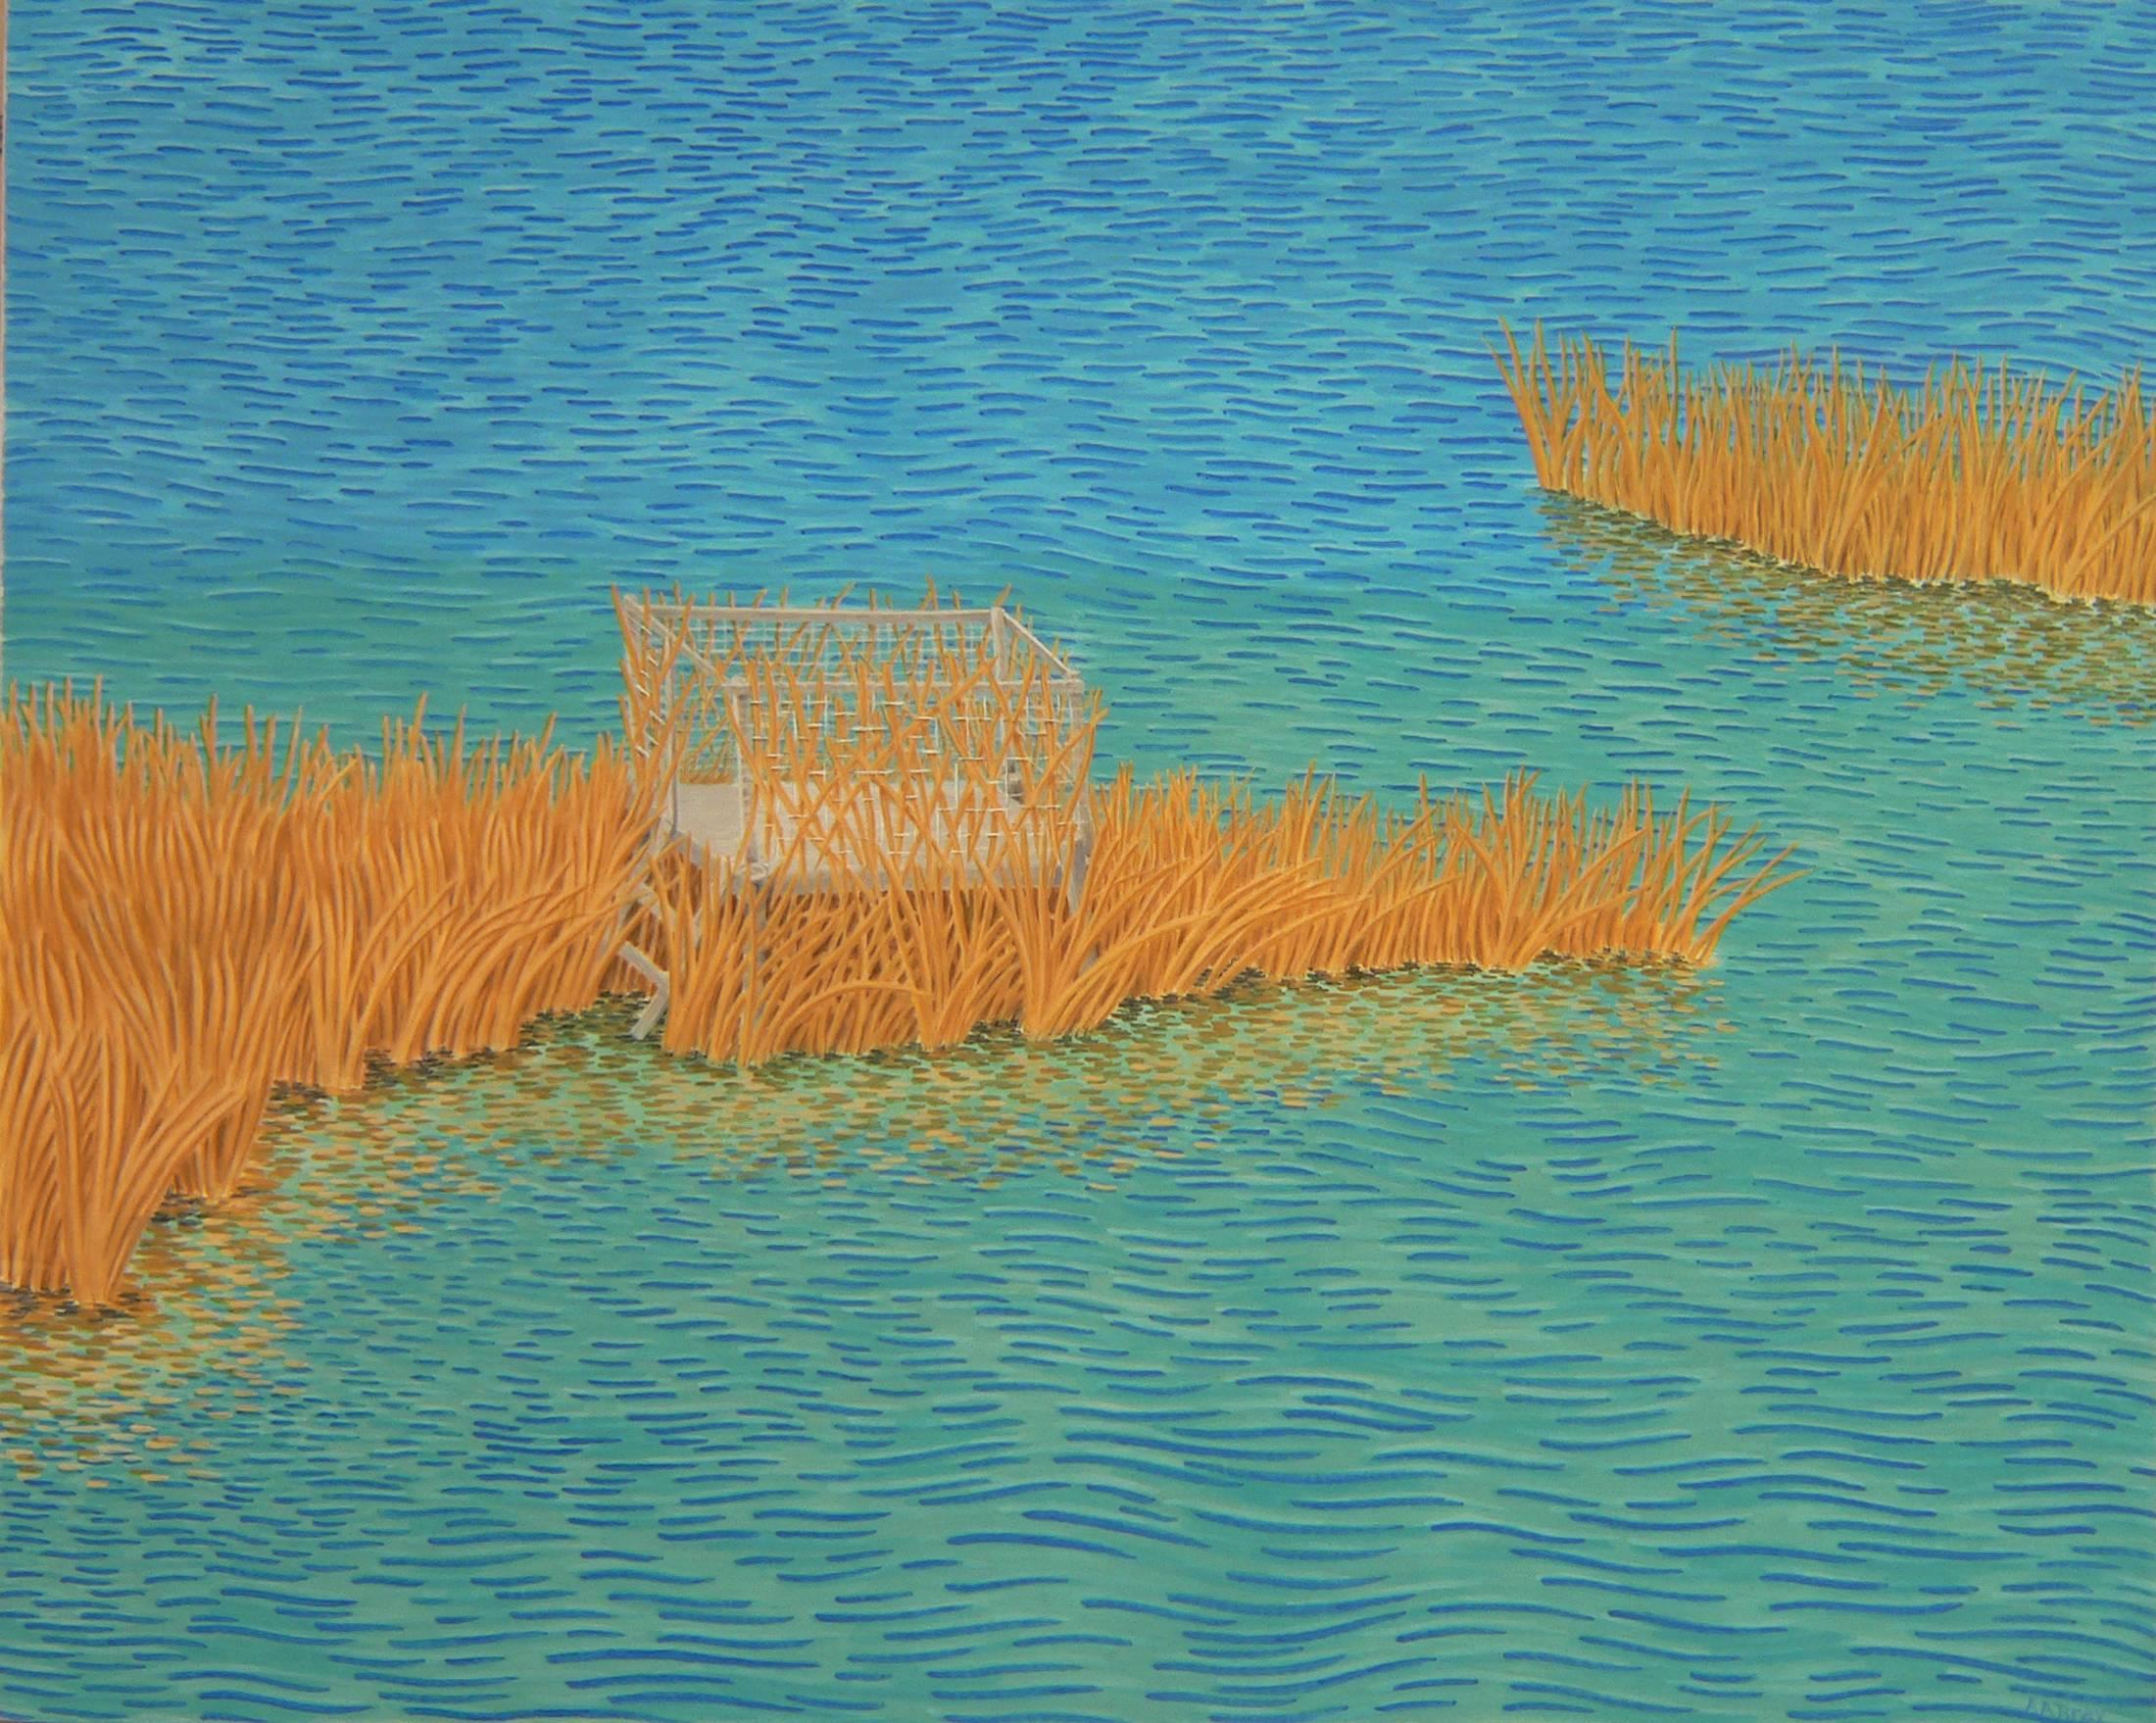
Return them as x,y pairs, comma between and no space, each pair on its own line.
844,749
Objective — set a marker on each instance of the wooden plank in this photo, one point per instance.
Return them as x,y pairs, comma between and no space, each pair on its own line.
649,1018
1054,658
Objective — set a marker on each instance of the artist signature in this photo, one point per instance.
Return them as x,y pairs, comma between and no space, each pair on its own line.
2057,1711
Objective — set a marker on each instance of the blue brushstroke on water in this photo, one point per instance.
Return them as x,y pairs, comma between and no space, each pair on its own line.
1766,1343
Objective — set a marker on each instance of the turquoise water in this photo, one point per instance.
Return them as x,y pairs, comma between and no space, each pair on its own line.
1770,1341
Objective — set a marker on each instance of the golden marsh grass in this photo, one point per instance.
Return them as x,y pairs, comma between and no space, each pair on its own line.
185,922
188,922
1975,474
1194,887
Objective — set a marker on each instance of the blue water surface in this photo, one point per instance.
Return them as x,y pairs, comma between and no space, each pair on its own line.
1769,1341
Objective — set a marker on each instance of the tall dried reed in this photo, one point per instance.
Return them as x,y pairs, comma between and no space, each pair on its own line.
1192,888
184,923
1975,475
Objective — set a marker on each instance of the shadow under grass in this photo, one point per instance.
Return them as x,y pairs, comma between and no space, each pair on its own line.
2014,642
208,1313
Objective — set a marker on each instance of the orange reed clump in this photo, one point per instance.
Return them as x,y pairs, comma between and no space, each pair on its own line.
184,923
1191,888
917,809
1975,475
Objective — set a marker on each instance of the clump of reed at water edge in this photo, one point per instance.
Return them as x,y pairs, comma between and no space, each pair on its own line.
1192,887
921,797
1978,474
185,922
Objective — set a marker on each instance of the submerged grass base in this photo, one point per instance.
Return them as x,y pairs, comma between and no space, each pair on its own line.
2011,642
186,924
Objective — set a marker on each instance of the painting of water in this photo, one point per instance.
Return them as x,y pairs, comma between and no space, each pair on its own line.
1765,1338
